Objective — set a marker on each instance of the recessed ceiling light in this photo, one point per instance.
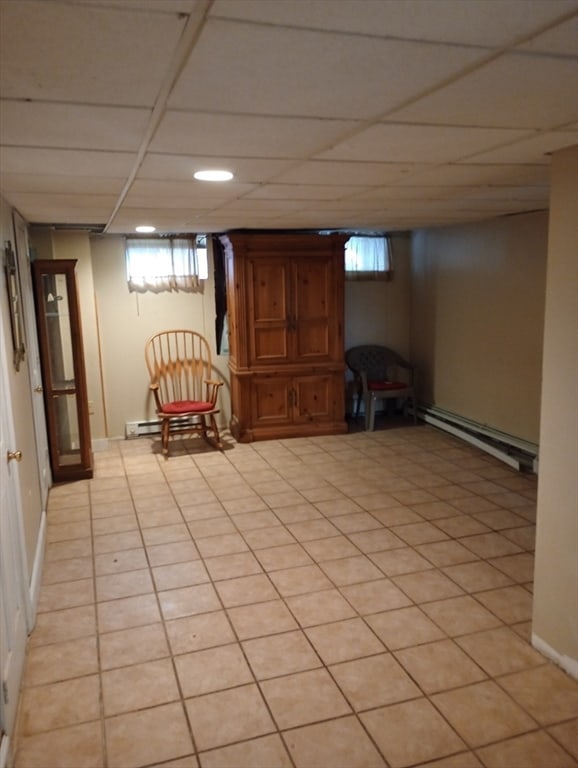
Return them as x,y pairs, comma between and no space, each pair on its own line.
213,175
145,229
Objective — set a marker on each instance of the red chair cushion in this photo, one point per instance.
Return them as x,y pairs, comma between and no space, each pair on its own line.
386,385
187,406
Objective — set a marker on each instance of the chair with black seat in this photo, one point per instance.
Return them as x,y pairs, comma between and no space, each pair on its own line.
181,380
381,374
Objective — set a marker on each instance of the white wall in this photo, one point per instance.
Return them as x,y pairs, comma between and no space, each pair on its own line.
477,320
555,620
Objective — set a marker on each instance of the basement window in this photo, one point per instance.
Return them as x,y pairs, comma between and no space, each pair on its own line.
166,263
368,258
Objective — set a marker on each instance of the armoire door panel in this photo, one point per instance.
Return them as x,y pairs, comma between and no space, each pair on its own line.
268,310
313,309
313,398
313,288
272,400
312,341
269,285
270,345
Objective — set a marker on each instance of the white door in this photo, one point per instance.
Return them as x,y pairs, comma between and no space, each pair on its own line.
13,593
33,355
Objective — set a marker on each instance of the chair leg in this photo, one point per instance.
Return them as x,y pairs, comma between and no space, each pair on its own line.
165,436
358,402
369,412
216,432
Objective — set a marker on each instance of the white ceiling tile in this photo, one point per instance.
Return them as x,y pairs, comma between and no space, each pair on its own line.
49,208
470,175
63,162
165,193
154,6
32,182
262,94
475,22
351,204
335,172
560,40
535,149
299,192
71,125
293,71
514,193
513,91
391,142
182,167
242,135
85,201
52,51
382,195
264,207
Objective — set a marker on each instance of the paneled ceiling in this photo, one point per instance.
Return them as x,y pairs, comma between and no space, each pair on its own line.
362,115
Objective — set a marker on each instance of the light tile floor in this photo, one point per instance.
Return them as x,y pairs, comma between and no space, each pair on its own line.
356,601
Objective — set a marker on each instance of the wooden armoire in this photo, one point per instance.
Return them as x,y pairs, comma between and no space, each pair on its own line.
285,314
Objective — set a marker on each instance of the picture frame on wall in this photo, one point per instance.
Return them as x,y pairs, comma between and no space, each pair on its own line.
14,304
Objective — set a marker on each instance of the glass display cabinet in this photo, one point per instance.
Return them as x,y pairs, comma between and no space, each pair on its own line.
63,372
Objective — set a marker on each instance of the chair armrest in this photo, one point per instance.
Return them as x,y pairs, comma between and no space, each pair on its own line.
154,388
408,367
212,390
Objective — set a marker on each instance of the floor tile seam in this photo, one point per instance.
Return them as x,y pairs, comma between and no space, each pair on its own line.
357,718
544,730
494,676
51,525
235,634
486,675
240,742
475,594
104,747
28,686
256,681
471,747
119,715
501,624
475,590
21,737
571,722
475,748
548,664
167,642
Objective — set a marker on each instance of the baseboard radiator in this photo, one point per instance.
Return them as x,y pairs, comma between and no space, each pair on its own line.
153,426
519,454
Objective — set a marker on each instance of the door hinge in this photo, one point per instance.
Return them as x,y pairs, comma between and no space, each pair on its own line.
5,691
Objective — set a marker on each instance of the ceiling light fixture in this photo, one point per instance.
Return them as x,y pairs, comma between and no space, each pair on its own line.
145,229
213,175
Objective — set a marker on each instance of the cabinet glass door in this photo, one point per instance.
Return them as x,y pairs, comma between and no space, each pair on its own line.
63,369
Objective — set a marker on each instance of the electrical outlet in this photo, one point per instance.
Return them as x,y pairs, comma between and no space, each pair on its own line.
91,407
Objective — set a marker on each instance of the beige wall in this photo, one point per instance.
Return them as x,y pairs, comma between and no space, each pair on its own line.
555,621
378,312
126,320
20,403
477,320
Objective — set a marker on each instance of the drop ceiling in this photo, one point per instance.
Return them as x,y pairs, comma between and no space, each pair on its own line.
332,114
